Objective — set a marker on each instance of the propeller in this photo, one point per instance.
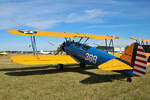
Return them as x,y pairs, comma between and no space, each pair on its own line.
50,43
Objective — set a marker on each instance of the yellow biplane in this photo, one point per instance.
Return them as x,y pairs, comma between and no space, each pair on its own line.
131,63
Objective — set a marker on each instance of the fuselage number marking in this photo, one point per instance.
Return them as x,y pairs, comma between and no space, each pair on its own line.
91,58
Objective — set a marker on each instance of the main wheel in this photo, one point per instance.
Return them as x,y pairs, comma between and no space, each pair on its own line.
82,65
60,67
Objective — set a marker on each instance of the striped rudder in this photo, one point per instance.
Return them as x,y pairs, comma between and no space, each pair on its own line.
135,56
140,62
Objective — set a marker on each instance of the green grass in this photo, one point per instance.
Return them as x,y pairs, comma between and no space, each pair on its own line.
19,82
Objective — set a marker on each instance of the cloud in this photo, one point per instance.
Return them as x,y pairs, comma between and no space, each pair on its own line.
30,13
37,13
43,24
44,15
92,15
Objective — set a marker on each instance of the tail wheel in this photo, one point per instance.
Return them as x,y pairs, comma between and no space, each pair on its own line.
129,79
148,59
60,67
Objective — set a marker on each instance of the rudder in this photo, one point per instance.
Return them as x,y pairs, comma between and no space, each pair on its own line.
135,55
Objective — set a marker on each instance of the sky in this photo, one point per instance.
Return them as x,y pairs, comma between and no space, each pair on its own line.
123,18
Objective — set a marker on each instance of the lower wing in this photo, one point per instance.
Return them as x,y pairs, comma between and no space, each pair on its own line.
43,59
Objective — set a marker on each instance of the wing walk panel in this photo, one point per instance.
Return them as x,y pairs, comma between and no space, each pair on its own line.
43,59
114,64
64,34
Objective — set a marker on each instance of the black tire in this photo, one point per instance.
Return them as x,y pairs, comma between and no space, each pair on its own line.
60,67
82,65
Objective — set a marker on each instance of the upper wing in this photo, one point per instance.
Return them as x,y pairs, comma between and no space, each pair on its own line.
139,39
43,59
61,34
114,64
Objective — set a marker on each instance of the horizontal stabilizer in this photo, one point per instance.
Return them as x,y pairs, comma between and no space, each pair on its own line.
43,59
114,64
61,34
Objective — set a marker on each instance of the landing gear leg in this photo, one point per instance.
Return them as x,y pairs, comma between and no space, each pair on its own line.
82,65
60,67
129,79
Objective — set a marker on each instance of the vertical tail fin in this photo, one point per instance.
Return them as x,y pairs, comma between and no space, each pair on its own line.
135,55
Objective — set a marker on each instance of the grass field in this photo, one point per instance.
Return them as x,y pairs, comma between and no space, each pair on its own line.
19,82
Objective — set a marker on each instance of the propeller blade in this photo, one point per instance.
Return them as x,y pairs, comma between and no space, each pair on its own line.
60,49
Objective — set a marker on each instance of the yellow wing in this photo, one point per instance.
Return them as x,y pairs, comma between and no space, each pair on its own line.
63,34
43,59
139,39
114,64
148,55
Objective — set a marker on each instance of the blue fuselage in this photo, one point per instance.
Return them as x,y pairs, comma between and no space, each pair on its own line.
87,54
90,55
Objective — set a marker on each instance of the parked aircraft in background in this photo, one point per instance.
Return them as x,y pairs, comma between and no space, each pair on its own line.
3,53
44,52
146,45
